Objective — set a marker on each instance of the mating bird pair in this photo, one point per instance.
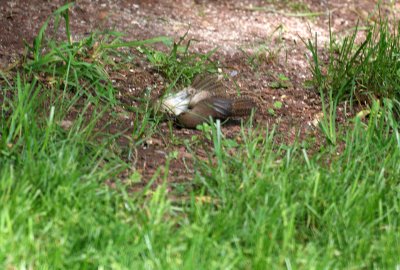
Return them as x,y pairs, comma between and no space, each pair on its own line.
205,98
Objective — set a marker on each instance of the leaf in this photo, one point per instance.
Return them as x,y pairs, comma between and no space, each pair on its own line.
271,111
278,105
282,77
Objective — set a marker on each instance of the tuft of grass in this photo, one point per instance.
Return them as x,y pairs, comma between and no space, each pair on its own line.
180,65
360,71
67,64
268,51
356,72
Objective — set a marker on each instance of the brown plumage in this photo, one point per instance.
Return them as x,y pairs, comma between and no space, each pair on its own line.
217,108
206,98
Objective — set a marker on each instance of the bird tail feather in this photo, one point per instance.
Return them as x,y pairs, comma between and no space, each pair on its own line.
242,106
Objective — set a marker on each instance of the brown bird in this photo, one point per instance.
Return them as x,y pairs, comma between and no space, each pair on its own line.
205,98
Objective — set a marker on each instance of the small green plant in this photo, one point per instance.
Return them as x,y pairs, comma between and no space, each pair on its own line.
262,54
266,52
271,111
281,82
277,105
180,65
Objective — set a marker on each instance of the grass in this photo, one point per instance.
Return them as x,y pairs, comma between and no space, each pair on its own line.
266,52
357,72
254,204
297,8
280,207
360,72
180,65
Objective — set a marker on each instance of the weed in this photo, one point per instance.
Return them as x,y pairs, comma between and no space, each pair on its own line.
179,64
266,52
281,82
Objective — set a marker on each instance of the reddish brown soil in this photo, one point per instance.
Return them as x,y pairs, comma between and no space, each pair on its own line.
237,28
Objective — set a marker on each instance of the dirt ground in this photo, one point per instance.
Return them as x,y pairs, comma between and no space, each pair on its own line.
238,28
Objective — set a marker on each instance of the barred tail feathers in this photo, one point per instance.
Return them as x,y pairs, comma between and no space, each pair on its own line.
242,106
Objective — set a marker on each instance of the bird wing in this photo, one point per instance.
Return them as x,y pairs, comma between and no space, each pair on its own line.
207,82
205,86
224,107
216,107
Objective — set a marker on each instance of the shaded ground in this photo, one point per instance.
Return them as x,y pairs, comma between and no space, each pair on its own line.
269,34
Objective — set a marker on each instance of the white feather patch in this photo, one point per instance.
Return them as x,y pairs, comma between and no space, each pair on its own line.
176,103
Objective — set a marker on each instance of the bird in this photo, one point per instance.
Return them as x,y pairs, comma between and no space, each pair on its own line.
205,98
